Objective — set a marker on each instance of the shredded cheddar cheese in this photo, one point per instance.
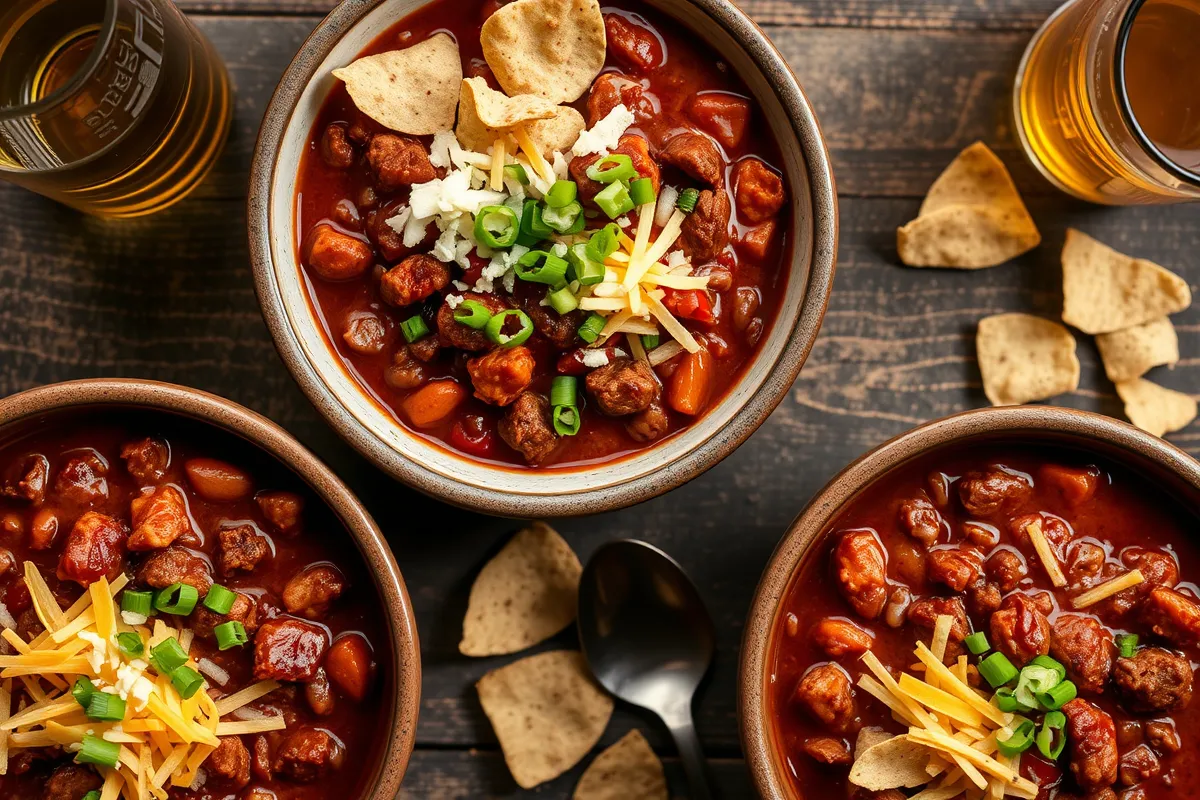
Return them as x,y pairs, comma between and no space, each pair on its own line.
1108,589
1045,554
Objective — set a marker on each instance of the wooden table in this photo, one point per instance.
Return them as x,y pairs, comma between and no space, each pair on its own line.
899,90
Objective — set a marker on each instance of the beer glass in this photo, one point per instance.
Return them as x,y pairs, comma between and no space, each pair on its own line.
1107,100
115,107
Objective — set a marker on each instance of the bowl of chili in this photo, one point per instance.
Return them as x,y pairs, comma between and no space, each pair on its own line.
1047,557
530,377
240,624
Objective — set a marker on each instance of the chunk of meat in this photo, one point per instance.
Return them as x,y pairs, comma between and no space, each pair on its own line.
696,155
307,755
1085,648
825,693
983,599
218,481
31,485
1157,568
176,565
1020,630
837,637
71,782
1137,765
1085,560
389,243
398,161
860,566
981,534
758,190
405,372
147,460
242,548
349,665
1173,616
649,424
82,479
1161,735
288,649
985,493
920,520
282,509
243,610
630,144
955,567
705,231
612,89
623,386
828,750
336,149
413,279
757,243
43,529
924,614
722,115
526,427
632,45
424,349
159,518
364,332
1093,740
1007,568
310,592
261,763
562,330
95,548
452,333
499,377
335,255
1074,484
229,763
1154,680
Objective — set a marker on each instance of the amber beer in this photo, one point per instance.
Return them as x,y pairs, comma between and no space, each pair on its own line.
116,107
1107,100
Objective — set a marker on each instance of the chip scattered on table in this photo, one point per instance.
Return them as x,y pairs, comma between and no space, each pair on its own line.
629,770
1132,352
551,48
973,217
894,763
1156,409
1106,291
413,91
524,595
547,713
1024,358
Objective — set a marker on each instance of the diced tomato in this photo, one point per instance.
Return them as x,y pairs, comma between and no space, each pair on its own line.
721,115
474,272
473,435
689,304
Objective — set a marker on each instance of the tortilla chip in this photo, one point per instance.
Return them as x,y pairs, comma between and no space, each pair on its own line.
1130,353
1105,291
524,595
628,770
1156,409
557,133
412,91
1025,358
547,713
972,217
868,738
551,48
891,764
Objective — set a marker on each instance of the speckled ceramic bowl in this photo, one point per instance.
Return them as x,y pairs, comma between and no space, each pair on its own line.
523,492
1175,471
90,399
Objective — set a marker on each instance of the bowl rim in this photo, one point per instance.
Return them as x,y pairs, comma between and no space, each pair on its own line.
779,377
258,431
1114,439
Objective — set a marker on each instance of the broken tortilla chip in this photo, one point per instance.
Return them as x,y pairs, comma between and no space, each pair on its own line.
551,48
1130,353
1156,409
868,738
547,713
628,770
412,91
1025,358
557,133
973,217
524,595
891,764
1105,291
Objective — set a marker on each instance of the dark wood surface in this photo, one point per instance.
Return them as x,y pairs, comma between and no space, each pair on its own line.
899,87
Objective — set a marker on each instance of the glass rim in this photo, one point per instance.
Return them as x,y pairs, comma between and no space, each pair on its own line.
108,28
1166,162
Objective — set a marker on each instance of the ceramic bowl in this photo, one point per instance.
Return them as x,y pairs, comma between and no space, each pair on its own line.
1175,471
20,413
517,492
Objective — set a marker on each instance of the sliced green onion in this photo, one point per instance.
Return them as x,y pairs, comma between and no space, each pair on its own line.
167,656
583,268
230,634
533,227
178,599
1035,680
641,191
563,390
82,690
187,681
1006,701
977,643
540,266
612,168
497,227
1127,644
1049,663
94,794
562,300
566,420
473,314
94,750
650,340
137,602
604,242
517,173
414,328
614,200
589,331
687,200
997,670
104,707
1019,742
1050,738
130,644
219,599
495,328
562,193
565,219
1058,696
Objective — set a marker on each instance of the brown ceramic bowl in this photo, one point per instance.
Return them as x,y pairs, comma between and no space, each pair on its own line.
1174,470
491,488
92,398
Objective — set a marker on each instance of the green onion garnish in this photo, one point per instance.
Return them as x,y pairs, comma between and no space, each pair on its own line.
568,219
187,681
1050,738
167,656
533,228
1019,742
540,266
178,599
641,191
497,227
104,707
414,328
650,340
1034,680
562,193
495,328
82,690
562,300
589,331
566,420
130,644
613,168
614,200
1127,644
94,794
604,242
473,314
94,750
517,173
582,267
997,670
137,602
687,200
977,643
563,390
1057,696
230,634
1049,663
219,599
1006,701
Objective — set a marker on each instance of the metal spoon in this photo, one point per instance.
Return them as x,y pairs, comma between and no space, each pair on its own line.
648,639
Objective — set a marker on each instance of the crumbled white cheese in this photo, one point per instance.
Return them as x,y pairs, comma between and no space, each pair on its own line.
560,165
450,196
462,287
676,258
559,249
140,693
97,657
594,358
605,135
453,300
133,619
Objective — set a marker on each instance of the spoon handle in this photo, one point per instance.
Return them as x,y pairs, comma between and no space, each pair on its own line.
692,755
